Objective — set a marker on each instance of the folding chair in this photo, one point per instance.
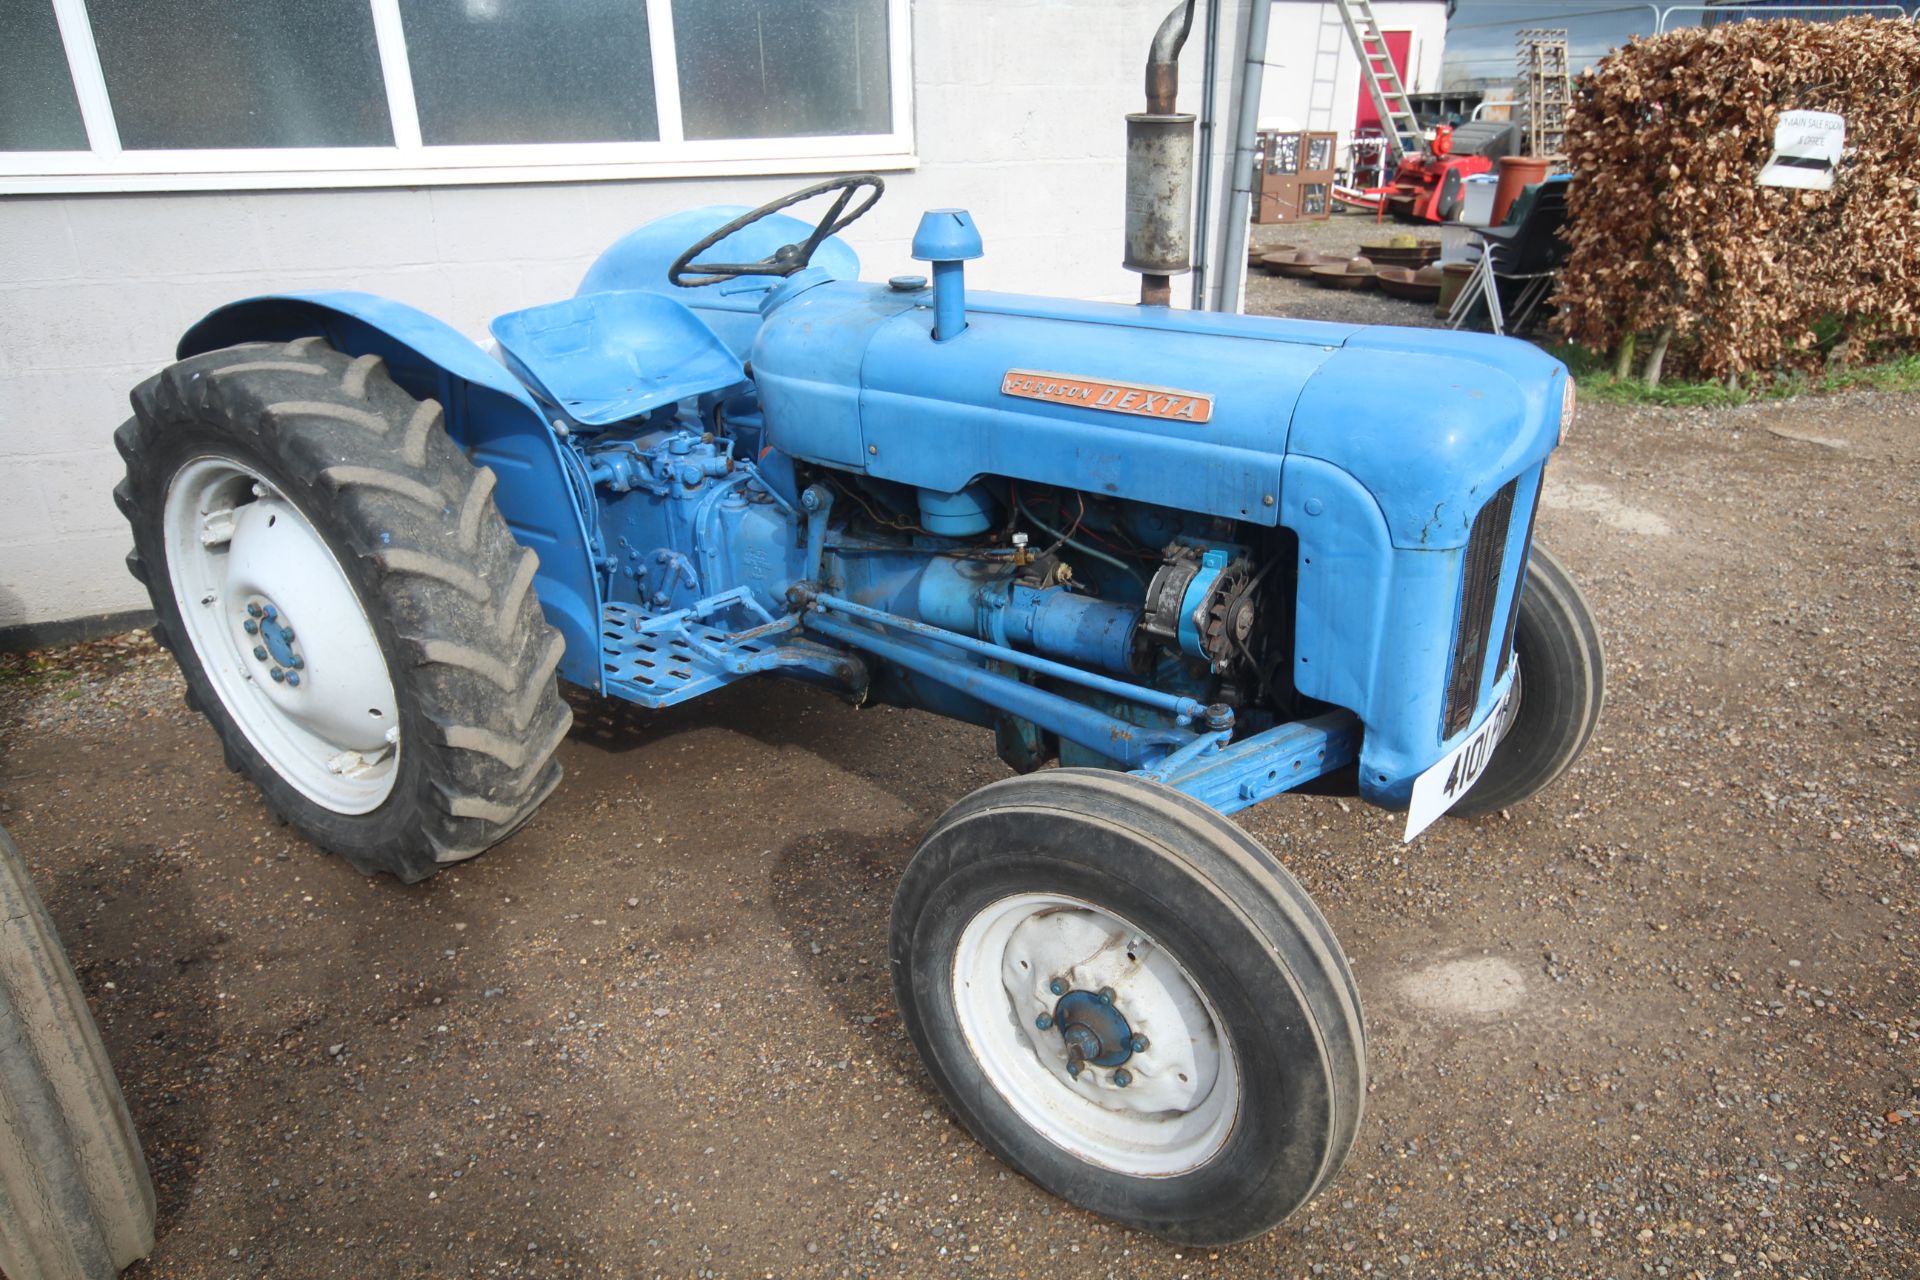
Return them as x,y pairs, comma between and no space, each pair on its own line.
1529,251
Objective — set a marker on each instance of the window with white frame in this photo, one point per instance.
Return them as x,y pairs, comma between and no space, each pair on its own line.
132,95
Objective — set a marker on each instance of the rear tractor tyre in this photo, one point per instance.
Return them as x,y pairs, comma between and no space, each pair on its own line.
1128,1000
348,607
75,1199
1563,684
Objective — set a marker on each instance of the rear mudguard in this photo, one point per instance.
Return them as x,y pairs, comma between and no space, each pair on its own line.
489,414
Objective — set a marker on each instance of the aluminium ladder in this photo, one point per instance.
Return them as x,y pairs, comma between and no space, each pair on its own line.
1382,79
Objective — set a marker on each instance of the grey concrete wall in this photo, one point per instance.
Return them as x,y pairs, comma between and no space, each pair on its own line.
1018,112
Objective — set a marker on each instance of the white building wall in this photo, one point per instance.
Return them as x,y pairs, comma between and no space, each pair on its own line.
1018,117
1313,74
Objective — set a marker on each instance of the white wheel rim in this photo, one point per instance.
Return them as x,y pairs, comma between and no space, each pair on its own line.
1182,1092
251,574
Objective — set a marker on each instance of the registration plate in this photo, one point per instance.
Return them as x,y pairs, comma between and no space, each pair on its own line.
1436,790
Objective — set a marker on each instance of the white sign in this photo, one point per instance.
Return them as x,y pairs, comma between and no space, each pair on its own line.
1806,151
1436,790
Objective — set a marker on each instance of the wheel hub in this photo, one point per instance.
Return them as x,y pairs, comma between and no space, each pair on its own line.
1095,1030
276,642
245,563
1085,989
1097,991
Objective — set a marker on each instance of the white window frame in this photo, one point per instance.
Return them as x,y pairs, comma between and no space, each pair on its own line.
106,166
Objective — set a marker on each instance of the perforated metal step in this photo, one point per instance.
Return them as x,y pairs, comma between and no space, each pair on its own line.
660,670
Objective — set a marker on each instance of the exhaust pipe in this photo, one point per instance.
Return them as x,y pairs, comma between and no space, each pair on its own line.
1159,237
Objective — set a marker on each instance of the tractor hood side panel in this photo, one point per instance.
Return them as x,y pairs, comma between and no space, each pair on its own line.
937,415
1431,423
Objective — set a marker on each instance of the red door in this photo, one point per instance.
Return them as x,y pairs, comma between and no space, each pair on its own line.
1399,47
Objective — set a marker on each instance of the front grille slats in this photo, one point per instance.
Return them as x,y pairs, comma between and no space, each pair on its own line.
1479,591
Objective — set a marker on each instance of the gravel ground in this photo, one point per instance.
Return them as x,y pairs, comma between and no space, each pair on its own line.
1340,235
1661,1021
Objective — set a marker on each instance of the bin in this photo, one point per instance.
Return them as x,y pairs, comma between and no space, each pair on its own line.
1476,207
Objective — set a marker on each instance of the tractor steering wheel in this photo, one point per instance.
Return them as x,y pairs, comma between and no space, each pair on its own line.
788,258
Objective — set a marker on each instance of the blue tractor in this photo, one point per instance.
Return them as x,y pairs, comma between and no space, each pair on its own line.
1195,560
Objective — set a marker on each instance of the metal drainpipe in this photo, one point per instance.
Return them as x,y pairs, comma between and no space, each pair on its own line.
1203,206
1232,277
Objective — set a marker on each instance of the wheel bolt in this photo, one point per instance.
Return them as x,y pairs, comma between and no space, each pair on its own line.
260,652
1106,995
286,633
1122,1078
250,627
1043,1022
271,612
1058,986
1138,1044
253,611
278,675
293,678
298,662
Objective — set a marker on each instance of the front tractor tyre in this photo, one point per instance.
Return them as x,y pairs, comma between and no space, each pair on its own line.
76,1202
1562,674
1128,1000
345,602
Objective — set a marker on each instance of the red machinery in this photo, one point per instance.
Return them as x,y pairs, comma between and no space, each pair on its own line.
1429,187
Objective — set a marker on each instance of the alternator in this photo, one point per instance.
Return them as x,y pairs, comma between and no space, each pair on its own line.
1201,603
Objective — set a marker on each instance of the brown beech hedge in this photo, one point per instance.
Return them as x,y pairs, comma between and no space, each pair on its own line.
1673,238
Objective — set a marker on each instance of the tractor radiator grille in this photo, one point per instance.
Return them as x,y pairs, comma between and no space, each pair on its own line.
1479,590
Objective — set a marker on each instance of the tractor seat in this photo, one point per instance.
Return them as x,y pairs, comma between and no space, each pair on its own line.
602,358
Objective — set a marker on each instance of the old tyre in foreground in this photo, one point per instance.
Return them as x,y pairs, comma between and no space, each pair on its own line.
345,602
75,1199
1562,684
1128,1000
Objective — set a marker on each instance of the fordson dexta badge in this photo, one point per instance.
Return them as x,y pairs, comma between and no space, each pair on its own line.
1107,394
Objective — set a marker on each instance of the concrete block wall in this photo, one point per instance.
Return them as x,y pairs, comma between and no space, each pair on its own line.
1018,110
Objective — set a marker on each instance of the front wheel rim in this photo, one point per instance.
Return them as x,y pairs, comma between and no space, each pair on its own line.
281,634
1044,984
